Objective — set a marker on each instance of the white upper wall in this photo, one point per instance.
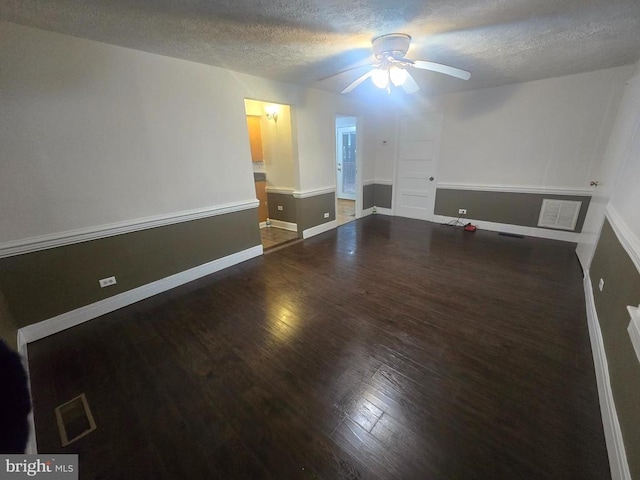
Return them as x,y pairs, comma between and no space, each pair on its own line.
385,147
626,193
546,134
623,149
549,133
93,134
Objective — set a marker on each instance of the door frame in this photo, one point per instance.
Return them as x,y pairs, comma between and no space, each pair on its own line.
339,132
359,149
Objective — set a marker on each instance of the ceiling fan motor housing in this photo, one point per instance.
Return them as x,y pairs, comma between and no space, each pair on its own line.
395,45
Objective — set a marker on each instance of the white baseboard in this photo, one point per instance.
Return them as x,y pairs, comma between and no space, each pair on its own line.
292,227
384,211
39,330
612,433
379,211
318,229
515,229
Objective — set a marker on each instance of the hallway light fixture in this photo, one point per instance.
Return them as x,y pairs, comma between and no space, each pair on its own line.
272,112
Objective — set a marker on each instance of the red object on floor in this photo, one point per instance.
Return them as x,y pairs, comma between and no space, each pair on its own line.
470,228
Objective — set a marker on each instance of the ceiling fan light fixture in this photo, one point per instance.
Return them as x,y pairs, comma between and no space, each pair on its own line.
380,78
398,76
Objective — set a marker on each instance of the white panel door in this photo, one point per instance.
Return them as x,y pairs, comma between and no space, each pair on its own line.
418,151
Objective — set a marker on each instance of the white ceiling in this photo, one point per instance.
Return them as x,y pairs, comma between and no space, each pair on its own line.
302,41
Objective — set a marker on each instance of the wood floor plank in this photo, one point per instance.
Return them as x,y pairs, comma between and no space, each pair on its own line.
385,349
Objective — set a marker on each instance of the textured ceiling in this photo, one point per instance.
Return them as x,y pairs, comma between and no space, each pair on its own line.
302,41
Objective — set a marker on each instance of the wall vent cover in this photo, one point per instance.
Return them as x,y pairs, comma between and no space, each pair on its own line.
559,214
74,420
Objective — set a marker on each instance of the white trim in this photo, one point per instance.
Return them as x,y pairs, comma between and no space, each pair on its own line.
42,329
280,190
515,229
313,193
612,433
34,244
634,328
360,148
379,211
318,229
516,189
292,227
378,182
627,238
384,211
32,444
263,224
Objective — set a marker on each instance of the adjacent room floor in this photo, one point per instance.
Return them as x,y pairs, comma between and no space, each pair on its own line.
346,211
272,237
385,349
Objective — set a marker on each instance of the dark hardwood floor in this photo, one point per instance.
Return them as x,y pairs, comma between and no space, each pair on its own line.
386,349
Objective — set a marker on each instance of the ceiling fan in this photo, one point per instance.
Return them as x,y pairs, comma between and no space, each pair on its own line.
392,68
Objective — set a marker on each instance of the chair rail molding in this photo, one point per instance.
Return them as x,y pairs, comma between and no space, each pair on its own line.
53,240
516,189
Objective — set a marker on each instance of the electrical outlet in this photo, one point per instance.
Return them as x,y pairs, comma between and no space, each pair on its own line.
326,214
601,284
462,211
280,207
105,282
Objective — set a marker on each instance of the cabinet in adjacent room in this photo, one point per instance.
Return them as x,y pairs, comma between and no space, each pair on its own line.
255,137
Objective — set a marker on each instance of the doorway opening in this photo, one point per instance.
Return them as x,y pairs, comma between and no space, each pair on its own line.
272,156
346,169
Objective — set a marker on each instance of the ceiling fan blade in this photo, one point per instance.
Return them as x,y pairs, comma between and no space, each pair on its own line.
344,71
440,68
410,85
357,82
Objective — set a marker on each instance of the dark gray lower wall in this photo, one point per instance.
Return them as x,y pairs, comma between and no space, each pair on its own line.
310,211
368,196
288,204
621,288
43,284
8,329
502,207
382,195
376,195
